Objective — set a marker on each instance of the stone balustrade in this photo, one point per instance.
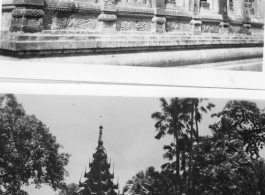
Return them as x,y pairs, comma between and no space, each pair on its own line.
134,16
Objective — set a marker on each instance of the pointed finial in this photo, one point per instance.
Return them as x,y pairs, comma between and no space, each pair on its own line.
80,178
100,142
100,120
113,168
85,169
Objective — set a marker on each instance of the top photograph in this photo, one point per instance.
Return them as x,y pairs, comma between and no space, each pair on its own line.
199,34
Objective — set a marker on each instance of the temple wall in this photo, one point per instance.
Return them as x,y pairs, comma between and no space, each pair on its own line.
145,16
137,15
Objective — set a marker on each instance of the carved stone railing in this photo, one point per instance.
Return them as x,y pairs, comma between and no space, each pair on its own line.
125,16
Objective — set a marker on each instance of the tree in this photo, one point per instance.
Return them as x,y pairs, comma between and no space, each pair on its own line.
152,182
228,162
248,121
171,121
28,152
71,189
177,119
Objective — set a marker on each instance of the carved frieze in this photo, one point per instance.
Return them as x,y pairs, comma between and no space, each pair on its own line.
210,28
29,13
177,26
70,6
62,21
133,24
29,2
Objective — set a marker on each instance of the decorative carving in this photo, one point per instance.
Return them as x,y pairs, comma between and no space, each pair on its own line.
107,17
33,22
30,13
159,20
225,7
27,16
231,5
177,25
170,3
133,24
210,28
235,29
143,25
29,2
197,6
134,10
70,6
59,21
109,24
204,4
249,7
160,3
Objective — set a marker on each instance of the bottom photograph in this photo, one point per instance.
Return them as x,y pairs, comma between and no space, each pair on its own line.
104,145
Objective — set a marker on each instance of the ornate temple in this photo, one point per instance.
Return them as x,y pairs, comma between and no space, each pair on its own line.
99,180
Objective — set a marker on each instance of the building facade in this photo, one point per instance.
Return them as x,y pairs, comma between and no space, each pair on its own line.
105,26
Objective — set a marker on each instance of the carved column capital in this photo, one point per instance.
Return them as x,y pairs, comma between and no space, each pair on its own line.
27,16
107,18
196,26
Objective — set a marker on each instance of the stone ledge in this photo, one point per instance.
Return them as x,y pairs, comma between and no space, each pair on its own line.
156,59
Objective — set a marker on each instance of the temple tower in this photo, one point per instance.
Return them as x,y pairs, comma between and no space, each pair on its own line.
99,180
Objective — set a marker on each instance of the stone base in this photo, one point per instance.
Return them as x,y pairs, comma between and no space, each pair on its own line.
78,42
26,29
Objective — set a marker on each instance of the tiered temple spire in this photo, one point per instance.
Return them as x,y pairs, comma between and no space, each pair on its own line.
99,180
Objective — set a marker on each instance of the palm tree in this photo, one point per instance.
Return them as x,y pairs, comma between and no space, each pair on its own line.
190,107
171,121
151,181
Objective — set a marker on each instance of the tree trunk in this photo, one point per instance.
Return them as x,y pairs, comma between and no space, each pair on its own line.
177,163
191,143
197,130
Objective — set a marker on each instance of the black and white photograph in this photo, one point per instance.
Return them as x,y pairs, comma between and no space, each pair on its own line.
198,34
120,145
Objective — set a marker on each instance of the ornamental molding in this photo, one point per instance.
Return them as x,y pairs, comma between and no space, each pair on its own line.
29,2
142,10
28,13
159,20
175,13
107,17
64,5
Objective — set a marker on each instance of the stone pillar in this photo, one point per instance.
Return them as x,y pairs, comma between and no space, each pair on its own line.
246,17
196,23
107,19
159,20
224,25
27,17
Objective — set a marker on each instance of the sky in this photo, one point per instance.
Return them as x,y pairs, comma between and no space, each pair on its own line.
128,131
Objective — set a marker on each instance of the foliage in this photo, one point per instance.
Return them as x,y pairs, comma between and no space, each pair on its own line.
28,152
150,182
177,118
71,189
227,162
249,122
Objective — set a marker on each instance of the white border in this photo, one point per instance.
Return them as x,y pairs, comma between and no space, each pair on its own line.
128,91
